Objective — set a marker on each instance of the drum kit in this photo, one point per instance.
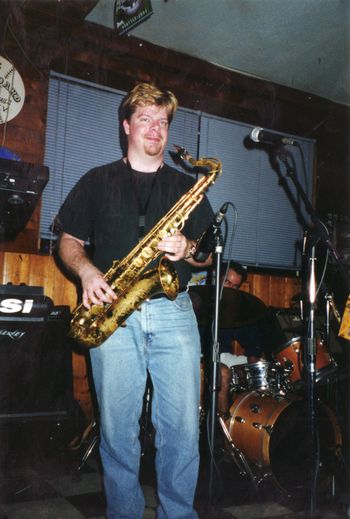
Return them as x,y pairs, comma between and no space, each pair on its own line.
267,426
266,430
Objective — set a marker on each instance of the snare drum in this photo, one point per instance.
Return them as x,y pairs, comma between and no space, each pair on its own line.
290,355
258,376
272,433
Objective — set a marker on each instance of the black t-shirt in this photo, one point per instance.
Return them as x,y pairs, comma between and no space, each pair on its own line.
103,208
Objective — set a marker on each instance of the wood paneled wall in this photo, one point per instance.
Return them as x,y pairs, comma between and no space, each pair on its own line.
39,270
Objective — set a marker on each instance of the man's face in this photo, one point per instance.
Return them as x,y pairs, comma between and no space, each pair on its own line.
147,130
233,280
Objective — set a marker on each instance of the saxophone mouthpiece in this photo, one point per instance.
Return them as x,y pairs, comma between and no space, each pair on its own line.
181,152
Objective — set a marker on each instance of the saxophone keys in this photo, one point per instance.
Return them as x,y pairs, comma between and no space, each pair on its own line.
147,252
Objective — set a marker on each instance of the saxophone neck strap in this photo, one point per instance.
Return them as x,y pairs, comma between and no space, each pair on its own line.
142,202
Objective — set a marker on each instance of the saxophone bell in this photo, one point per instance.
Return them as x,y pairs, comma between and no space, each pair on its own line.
161,279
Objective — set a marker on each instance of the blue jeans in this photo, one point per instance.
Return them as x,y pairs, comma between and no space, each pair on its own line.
162,337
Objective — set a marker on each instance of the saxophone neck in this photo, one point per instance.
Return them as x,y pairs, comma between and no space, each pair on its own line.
209,165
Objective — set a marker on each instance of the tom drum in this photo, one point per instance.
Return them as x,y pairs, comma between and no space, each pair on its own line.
291,354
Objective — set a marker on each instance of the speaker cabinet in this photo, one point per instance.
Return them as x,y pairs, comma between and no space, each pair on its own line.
35,356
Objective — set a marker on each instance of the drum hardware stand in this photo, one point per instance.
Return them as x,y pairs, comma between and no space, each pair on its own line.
242,462
331,386
319,232
238,457
145,433
329,300
91,431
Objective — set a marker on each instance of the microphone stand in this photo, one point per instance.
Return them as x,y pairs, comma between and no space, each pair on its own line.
215,352
319,229
319,232
310,342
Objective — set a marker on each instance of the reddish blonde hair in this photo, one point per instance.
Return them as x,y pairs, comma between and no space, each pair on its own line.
148,94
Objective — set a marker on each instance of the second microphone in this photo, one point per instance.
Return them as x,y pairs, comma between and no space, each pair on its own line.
206,243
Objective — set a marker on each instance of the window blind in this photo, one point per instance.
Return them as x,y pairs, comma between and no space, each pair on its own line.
83,132
268,230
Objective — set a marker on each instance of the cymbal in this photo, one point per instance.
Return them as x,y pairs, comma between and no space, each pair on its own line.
236,307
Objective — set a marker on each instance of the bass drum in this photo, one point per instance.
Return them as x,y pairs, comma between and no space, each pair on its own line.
272,434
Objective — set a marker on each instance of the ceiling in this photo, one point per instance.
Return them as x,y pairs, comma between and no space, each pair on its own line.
303,44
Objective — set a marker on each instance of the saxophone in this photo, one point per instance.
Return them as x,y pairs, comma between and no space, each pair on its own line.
127,278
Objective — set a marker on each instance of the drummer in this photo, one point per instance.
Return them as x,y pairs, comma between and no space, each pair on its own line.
256,336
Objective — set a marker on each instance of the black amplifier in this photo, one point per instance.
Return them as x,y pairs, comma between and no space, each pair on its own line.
35,353
22,303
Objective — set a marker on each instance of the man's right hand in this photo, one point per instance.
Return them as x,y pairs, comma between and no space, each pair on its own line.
95,289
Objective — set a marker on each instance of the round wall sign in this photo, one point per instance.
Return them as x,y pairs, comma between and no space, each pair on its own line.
11,91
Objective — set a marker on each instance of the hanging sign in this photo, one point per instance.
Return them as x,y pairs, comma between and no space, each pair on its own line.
11,91
129,13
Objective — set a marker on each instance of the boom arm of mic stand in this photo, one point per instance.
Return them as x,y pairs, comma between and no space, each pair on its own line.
323,234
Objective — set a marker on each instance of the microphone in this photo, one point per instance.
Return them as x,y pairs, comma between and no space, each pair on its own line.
206,242
266,137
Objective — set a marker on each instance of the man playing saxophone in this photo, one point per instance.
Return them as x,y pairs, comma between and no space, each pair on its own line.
113,207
